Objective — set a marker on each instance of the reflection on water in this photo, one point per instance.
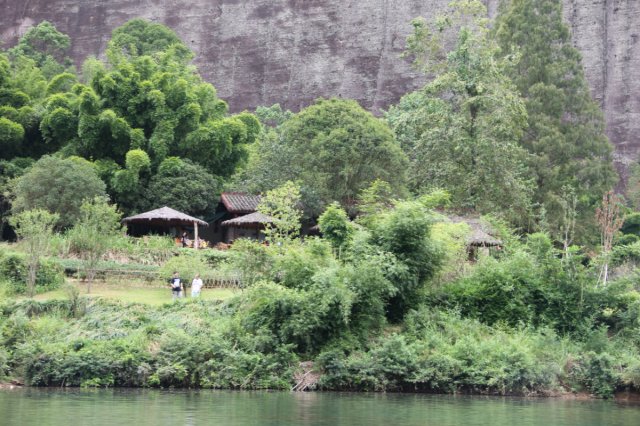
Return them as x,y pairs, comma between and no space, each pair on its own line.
148,407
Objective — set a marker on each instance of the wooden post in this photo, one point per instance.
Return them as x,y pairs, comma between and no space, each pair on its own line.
196,242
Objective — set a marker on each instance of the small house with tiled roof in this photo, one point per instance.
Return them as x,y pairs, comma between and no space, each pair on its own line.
236,217
238,203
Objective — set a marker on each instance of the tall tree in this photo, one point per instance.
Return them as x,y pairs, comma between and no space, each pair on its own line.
566,127
184,186
610,220
461,131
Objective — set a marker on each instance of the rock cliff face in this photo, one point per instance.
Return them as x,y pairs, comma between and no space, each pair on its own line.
259,52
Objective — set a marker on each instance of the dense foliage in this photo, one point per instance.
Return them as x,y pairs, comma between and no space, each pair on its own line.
404,290
59,186
565,136
461,130
334,148
126,115
14,272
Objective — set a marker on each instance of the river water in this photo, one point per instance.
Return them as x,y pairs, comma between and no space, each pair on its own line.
54,407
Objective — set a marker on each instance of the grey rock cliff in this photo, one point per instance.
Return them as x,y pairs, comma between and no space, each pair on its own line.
259,52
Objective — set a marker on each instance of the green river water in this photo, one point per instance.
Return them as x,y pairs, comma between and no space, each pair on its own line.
42,407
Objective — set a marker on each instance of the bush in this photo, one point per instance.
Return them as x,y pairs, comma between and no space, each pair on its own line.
442,352
4,363
194,344
13,268
597,371
405,233
305,319
534,286
187,264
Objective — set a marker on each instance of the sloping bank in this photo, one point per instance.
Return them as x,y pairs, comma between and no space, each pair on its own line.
217,345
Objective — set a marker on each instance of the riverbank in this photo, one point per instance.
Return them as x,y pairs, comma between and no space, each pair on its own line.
211,344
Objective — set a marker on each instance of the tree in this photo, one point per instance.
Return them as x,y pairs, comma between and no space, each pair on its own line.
9,170
141,38
461,131
340,149
633,186
375,199
335,226
11,135
282,205
610,220
273,116
333,148
59,186
12,102
145,98
184,186
45,45
266,166
94,233
565,138
34,228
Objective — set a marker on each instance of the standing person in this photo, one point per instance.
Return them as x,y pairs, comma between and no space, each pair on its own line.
184,239
176,285
196,286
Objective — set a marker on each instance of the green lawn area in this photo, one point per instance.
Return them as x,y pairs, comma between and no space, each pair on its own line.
136,293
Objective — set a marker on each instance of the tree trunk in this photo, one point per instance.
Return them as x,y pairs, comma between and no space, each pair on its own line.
91,273
605,274
31,279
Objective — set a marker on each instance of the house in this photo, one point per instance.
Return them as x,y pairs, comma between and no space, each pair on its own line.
236,217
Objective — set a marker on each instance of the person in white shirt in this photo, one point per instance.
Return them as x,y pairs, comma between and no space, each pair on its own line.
196,286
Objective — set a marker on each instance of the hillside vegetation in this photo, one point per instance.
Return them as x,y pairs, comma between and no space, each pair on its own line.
400,292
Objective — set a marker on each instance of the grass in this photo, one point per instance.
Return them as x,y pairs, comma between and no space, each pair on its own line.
135,292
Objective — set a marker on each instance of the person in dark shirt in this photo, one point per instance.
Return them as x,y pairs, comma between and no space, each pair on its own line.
176,286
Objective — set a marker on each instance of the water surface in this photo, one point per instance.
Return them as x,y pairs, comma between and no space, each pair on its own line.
55,407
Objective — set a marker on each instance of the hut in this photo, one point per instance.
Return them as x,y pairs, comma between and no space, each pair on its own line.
247,226
164,221
480,239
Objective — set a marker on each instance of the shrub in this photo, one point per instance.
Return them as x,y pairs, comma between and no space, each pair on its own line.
13,268
187,265
443,352
405,233
335,226
597,371
4,363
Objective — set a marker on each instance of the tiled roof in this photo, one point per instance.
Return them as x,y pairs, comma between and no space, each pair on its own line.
249,219
239,202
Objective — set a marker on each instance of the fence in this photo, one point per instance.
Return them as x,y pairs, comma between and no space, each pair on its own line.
219,281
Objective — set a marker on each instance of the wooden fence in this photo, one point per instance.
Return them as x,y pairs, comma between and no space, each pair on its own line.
221,281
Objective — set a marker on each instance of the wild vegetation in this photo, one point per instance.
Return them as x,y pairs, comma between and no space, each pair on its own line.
394,295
